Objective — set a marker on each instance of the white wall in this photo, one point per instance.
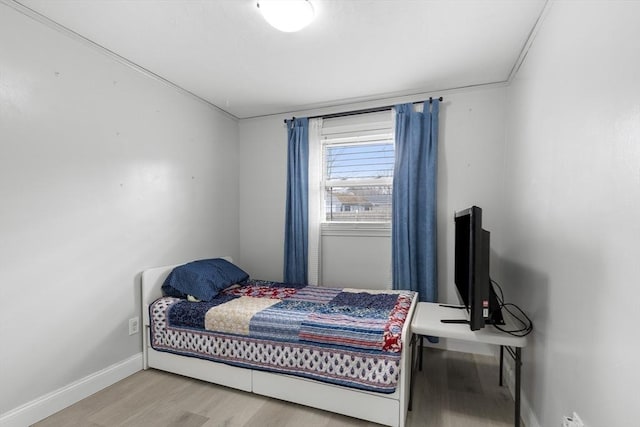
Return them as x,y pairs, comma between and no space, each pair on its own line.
103,173
470,166
569,251
263,176
362,262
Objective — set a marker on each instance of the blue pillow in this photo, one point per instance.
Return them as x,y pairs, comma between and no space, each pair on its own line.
203,279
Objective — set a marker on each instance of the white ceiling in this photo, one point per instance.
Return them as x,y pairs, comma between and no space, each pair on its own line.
355,50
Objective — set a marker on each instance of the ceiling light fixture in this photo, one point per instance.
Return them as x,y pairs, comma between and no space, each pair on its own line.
287,15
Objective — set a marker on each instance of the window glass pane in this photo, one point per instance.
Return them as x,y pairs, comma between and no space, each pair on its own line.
371,203
359,161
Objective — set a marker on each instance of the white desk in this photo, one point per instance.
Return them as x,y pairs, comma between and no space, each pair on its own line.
427,322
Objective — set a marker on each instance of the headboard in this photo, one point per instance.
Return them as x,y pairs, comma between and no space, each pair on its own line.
152,280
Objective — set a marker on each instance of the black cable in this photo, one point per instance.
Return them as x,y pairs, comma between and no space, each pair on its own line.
527,324
503,305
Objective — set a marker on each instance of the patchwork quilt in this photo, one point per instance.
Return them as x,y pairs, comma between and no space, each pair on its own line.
344,336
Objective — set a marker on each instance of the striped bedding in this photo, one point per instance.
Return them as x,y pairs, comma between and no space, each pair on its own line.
343,336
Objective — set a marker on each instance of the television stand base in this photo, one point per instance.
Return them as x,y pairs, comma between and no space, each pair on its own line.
463,321
460,307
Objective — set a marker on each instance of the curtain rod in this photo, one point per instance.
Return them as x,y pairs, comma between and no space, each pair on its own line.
363,111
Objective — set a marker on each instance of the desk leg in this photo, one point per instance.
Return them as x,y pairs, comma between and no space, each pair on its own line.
420,352
517,397
501,362
412,373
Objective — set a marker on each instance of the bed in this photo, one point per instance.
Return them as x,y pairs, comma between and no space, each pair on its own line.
367,376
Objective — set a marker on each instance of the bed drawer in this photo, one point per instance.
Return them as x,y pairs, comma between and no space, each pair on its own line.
355,403
213,372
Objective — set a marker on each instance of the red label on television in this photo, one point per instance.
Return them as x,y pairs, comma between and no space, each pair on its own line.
485,303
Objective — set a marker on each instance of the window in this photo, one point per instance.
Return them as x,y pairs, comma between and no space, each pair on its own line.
351,162
358,156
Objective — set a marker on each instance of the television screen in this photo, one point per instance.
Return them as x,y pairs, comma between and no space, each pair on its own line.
471,269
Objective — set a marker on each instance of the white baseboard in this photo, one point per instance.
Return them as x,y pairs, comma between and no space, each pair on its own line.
44,406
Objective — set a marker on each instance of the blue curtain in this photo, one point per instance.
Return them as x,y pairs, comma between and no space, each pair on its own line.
297,208
414,201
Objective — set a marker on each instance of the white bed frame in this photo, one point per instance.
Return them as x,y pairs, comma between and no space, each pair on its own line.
387,409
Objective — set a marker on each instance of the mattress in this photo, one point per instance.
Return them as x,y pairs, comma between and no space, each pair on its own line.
348,337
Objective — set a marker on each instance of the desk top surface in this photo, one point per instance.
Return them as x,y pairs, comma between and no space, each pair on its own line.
426,321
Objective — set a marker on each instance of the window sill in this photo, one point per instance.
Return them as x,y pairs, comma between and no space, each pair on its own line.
357,229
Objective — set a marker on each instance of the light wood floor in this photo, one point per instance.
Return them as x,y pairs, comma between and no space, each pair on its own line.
453,390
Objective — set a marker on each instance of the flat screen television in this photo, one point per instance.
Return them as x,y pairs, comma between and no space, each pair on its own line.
471,274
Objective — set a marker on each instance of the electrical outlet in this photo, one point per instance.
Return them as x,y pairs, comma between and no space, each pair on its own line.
134,325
